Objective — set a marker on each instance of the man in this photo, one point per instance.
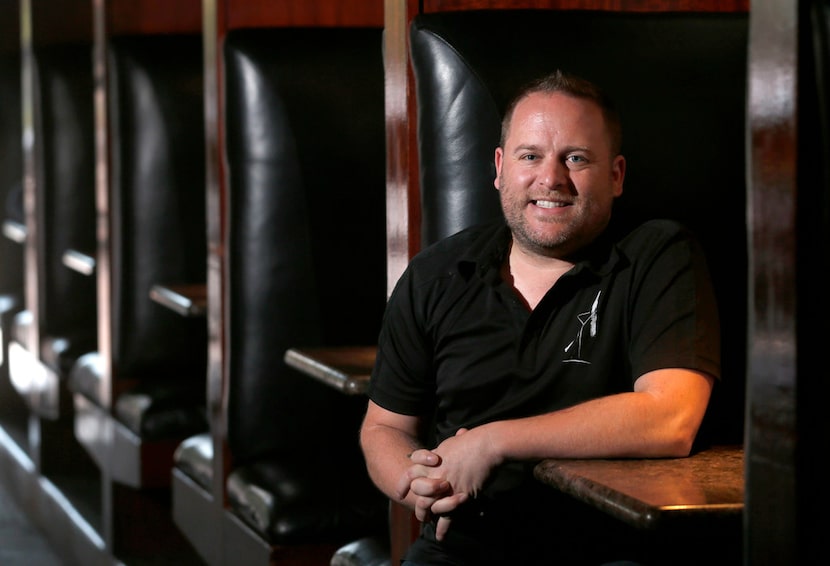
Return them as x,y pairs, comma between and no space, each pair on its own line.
544,338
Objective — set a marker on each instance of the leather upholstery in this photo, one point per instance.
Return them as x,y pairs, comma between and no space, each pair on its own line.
65,192
306,162
194,457
11,172
679,80
159,231
158,235
11,187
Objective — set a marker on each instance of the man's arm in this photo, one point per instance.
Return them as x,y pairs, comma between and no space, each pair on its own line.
659,418
388,440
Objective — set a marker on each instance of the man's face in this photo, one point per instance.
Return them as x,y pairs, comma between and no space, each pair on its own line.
556,175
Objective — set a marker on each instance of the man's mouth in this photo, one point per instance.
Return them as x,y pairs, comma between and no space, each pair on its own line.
549,203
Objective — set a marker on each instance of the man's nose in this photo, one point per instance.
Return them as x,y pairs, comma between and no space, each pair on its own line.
553,174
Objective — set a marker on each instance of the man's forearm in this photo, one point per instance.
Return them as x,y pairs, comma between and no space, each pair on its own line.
386,452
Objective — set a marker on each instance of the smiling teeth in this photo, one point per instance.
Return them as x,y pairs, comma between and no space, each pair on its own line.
548,204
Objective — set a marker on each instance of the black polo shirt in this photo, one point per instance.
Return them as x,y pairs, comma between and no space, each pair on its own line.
458,345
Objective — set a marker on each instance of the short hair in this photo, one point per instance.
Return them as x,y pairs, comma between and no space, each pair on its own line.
577,87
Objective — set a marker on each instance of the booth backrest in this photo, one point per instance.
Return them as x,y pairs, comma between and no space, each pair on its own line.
679,81
11,172
306,162
65,189
157,203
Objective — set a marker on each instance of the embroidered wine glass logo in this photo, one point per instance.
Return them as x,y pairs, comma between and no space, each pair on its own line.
587,320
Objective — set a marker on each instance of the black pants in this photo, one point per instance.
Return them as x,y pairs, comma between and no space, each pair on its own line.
540,528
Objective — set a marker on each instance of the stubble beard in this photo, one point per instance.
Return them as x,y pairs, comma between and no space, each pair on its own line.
551,243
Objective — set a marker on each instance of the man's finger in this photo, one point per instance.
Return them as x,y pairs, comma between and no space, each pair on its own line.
425,457
402,489
442,526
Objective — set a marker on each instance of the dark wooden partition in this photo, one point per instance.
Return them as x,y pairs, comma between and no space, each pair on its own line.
787,425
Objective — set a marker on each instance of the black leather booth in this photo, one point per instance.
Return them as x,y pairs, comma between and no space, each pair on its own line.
679,80
150,392
304,123
65,212
11,200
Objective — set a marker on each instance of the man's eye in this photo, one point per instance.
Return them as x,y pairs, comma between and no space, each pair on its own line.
575,159
530,157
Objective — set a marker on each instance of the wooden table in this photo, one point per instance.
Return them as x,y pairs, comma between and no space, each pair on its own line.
346,368
187,300
652,493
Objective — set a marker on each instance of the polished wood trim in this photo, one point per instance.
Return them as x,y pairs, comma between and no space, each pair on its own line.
295,13
214,28
154,16
403,213
30,255
614,5
776,177
103,258
74,23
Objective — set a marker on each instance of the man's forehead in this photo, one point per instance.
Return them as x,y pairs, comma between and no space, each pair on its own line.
546,113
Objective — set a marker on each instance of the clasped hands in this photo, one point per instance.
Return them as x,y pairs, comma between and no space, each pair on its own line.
445,477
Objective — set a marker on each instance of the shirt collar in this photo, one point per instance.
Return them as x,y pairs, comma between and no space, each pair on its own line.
600,257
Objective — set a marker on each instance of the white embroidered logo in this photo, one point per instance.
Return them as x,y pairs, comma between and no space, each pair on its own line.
590,320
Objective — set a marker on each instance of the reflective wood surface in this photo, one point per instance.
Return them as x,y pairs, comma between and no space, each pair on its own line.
347,368
650,493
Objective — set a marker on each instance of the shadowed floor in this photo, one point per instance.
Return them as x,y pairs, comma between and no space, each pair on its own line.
21,543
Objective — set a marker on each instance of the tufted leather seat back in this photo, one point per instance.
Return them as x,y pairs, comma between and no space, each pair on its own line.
304,125
306,163
157,203
679,80
65,190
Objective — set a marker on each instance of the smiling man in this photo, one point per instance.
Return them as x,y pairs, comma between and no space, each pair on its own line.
539,337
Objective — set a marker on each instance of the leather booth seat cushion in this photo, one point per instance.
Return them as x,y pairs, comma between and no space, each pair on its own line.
368,551
61,352
20,328
57,352
153,409
162,409
289,504
85,377
194,457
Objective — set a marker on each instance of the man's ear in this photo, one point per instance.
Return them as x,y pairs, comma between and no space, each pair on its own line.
618,174
498,160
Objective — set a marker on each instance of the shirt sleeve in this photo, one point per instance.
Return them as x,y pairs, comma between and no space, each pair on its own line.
402,379
675,321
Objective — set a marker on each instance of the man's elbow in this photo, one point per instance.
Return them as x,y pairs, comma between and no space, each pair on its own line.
680,439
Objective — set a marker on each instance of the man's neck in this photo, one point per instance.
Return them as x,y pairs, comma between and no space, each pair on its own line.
531,275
